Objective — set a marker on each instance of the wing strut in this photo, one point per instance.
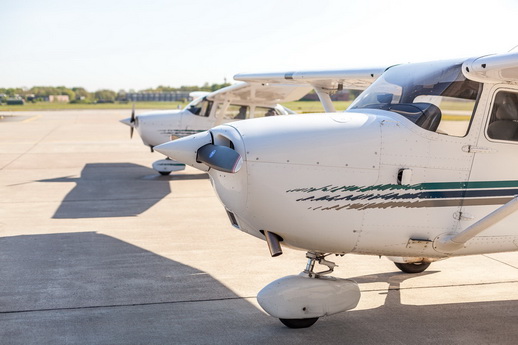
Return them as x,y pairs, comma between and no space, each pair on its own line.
451,243
325,99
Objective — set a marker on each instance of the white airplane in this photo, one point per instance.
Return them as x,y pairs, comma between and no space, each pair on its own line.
209,109
421,167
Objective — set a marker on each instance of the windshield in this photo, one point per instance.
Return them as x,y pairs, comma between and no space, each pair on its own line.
435,96
200,106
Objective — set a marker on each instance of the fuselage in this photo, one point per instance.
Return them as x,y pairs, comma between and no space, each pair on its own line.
158,127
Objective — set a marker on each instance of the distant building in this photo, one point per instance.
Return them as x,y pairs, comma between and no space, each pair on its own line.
59,99
173,96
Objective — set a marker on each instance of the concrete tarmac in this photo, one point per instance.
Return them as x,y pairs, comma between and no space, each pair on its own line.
96,248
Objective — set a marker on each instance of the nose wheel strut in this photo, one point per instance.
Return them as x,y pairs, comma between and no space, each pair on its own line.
313,258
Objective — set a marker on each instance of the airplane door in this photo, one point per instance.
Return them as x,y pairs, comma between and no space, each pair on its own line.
494,174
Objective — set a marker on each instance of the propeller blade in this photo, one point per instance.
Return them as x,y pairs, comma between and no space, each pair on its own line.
132,121
133,114
220,157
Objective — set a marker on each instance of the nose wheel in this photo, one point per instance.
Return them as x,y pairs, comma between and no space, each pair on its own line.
164,173
413,267
299,323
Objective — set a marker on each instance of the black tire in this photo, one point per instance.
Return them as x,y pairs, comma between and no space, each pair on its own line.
164,173
415,267
299,323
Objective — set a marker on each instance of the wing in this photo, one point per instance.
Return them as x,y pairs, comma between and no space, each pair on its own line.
323,82
198,94
259,93
356,79
492,68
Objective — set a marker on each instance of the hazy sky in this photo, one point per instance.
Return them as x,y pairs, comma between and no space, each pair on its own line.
139,44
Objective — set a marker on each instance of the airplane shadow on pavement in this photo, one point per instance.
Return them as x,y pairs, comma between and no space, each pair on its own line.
115,190
89,288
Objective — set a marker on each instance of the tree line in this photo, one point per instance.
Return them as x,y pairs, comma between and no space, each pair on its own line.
81,95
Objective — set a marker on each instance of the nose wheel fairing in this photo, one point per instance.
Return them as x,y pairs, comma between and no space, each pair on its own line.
299,300
167,166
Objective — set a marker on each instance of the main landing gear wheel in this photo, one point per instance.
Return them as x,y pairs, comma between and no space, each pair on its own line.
414,267
299,323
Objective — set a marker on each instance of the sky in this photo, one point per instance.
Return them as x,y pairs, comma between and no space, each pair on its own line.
134,45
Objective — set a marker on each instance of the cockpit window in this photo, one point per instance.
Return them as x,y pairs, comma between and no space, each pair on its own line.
200,106
236,112
241,112
435,96
263,111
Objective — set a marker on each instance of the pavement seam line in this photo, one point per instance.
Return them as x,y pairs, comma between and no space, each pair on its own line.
97,200
230,299
440,286
121,305
30,148
502,262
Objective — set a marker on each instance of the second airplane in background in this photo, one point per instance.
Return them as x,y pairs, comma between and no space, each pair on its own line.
237,102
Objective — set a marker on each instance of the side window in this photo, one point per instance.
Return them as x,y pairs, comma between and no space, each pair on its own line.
237,112
456,113
503,124
263,111
206,108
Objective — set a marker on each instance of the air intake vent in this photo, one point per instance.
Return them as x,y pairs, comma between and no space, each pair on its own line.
233,219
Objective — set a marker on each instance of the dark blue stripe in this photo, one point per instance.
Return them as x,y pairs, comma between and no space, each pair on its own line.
466,193
459,194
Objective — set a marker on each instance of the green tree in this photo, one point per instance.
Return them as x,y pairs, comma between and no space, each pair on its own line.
121,95
82,94
105,95
215,87
11,92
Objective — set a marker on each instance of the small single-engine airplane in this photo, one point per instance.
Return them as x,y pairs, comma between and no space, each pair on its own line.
421,167
209,109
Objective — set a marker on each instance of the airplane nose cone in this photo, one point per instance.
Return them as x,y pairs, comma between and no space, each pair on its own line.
185,149
127,121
